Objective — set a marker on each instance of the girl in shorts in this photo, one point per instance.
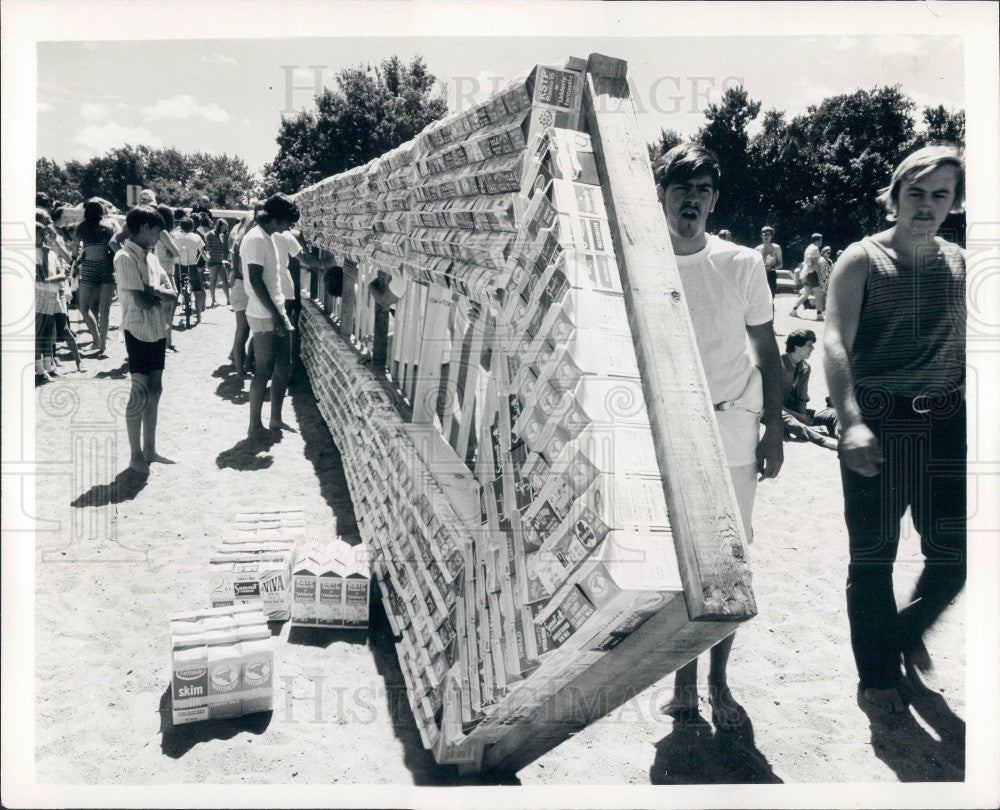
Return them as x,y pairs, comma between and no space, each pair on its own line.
238,299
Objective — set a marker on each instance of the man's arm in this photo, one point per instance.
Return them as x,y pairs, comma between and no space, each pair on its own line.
859,448
131,282
779,260
770,452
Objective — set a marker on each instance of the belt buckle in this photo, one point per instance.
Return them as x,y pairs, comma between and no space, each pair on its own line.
916,399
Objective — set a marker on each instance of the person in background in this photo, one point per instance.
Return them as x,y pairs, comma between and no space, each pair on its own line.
266,313
241,362
218,257
895,365
727,296
167,254
725,236
825,268
202,209
773,261
191,248
97,280
48,277
810,279
800,421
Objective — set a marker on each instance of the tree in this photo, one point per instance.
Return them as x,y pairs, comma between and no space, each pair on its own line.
56,181
725,133
177,179
943,126
669,138
371,110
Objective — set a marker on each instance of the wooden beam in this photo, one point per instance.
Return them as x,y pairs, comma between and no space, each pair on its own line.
663,644
704,516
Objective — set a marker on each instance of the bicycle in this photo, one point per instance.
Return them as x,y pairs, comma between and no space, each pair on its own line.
185,294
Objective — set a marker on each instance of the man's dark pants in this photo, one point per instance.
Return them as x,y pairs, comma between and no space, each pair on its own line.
924,464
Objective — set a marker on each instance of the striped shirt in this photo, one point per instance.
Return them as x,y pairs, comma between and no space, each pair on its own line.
911,329
134,270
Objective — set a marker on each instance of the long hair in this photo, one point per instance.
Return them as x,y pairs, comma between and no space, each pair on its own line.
94,227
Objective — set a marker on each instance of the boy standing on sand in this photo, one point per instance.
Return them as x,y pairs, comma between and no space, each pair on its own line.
145,327
895,365
728,298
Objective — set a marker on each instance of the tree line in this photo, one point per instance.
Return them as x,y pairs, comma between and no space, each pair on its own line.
820,171
178,179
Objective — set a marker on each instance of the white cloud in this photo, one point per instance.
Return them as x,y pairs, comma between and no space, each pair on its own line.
92,111
43,106
218,59
182,107
931,100
99,138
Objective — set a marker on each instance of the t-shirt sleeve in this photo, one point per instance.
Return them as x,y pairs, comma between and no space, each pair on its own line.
294,248
127,275
758,294
252,251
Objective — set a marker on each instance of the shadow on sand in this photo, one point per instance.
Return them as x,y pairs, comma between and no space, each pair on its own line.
245,454
693,753
125,487
176,741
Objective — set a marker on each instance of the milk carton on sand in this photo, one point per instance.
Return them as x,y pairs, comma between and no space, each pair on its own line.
331,594
189,686
256,669
305,588
356,589
224,670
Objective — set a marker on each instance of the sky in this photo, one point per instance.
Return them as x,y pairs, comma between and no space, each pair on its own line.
228,95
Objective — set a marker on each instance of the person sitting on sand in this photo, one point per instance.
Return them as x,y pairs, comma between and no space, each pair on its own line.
800,421
895,365
726,290
145,325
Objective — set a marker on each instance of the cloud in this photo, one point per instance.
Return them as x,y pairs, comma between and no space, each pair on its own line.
99,138
218,59
43,106
183,107
92,111
923,99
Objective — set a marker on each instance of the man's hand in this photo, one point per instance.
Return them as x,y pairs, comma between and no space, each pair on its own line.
859,450
147,300
770,452
283,326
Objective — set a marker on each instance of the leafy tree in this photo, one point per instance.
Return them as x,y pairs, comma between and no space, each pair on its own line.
177,179
371,110
725,133
669,138
943,125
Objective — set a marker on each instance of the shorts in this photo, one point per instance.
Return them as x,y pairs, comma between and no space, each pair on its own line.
258,325
194,277
744,480
811,280
238,296
63,330
144,357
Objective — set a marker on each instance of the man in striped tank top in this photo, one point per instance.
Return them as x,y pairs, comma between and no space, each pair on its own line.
895,365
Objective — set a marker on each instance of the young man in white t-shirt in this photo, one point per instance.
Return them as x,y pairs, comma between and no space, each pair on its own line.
730,304
269,323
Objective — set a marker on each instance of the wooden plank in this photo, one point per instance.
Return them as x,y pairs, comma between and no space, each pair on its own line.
707,530
347,304
663,644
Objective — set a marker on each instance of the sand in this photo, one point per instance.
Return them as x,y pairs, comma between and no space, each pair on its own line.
115,560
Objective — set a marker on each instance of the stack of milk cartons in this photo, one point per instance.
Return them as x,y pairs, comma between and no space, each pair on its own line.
223,663
331,585
253,563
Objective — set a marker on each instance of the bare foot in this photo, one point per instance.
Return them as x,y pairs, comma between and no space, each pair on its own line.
279,425
259,433
683,704
727,714
139,465
887,700
917,658
155,458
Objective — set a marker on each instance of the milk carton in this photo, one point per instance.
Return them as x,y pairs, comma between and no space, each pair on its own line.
305,588
189,685
256,669
224,670
357,589
331,595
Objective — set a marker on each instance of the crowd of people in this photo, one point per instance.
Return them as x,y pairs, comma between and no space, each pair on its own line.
894,343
